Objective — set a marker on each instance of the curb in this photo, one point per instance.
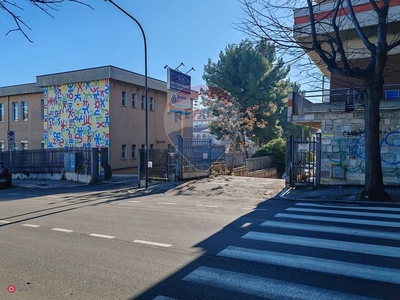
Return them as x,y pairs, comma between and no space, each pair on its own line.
287,190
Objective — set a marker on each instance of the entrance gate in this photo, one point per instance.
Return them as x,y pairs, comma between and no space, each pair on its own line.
194,157
303,161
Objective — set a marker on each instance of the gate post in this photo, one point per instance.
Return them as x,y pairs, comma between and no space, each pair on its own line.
318,160
178,161
95,165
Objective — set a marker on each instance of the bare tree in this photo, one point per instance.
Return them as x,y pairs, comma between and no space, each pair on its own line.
323,38
12,8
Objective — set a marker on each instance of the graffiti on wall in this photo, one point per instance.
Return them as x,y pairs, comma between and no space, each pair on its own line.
350,151
77,115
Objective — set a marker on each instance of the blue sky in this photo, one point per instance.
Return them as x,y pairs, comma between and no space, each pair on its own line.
79,37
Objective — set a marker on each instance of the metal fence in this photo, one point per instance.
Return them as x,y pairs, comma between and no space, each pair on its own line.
195,156
50,161
161,163
260,163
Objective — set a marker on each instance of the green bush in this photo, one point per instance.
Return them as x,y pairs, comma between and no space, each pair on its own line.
277,149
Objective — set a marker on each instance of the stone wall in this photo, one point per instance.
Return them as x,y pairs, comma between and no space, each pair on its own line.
343,141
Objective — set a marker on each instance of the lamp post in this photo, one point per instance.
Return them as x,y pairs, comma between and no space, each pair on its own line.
146,117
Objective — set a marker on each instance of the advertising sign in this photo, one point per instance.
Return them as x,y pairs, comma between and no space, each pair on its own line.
179,103
178,81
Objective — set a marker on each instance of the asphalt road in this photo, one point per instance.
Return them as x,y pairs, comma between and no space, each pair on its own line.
106,242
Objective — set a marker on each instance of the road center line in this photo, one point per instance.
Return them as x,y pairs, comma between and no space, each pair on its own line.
31,225
152,243
4,222
205,205
62,230
102,236
167,203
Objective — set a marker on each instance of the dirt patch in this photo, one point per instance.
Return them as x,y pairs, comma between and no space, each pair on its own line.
230,187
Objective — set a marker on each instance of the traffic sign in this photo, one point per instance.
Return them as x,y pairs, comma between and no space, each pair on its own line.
11,136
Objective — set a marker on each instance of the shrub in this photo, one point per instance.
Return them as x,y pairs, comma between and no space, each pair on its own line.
275,148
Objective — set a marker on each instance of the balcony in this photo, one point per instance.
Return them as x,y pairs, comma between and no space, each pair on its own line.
310,108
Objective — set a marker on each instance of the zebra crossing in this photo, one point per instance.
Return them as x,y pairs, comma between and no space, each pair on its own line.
352,252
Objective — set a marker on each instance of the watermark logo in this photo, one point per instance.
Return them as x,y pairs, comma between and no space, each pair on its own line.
11,289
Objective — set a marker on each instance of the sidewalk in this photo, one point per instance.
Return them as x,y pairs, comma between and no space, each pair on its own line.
333,193
235,187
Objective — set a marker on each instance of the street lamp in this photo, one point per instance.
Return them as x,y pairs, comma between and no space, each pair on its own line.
146,116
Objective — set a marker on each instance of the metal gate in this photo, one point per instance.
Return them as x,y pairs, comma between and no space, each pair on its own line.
193,157
303,161
160,163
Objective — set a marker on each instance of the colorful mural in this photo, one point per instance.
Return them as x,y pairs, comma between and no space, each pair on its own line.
76,115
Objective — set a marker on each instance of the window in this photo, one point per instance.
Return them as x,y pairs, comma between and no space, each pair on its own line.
1,146
143,146
42,109
24,111
143,102
151,106
123,98
123,152
14,111
24,145
133,101
1,112
151,147
133,151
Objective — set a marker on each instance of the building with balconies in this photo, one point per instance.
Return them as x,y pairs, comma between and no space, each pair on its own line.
338,111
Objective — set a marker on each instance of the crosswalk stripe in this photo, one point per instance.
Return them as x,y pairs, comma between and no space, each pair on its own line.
340,220
333,229
341,268
347,213
161,297
324,243
261,286
379,208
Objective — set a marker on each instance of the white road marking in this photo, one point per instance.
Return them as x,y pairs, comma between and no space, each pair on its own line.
323,265
346,213
248,208
4,222
31,225
167,203
62,230
134,201
394,209
102,236
205,205
333,229
324,243
261,286
340,220
152,243
160,297
245,225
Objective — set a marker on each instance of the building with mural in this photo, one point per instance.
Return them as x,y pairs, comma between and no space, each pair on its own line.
101,107
338,112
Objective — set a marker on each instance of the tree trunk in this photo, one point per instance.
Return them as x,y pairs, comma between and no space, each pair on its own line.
374,188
